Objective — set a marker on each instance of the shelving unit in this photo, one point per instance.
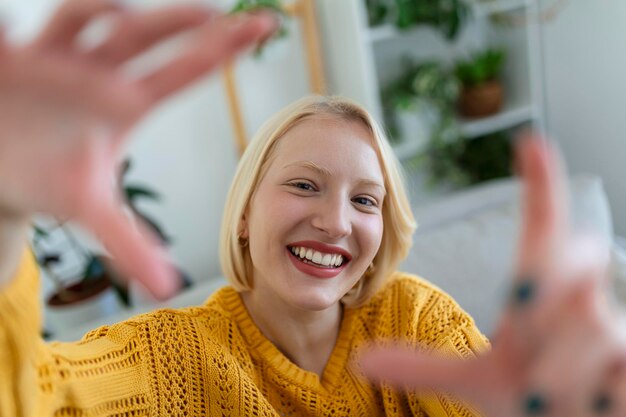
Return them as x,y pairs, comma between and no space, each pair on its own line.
361,59
480,10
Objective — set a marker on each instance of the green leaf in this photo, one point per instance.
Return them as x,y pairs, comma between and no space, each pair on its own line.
134,192
480,67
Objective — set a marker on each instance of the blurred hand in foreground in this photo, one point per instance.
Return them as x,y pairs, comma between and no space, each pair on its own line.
65,112
560,348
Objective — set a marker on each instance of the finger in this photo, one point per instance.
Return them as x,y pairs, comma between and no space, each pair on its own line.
418,370
3,44
71,18
545,206
577,294
216,44
135,33
611,398
137,253
570,369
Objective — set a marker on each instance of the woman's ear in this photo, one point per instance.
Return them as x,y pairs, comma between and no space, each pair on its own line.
243,228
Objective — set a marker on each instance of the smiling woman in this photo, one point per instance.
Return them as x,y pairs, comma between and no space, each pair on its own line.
316,223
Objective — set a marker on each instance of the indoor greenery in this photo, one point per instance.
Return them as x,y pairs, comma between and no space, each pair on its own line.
449,158
447,16
94,266
480,67
469,161
430,84
251,6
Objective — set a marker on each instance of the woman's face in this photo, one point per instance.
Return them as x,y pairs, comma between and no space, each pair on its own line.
315,221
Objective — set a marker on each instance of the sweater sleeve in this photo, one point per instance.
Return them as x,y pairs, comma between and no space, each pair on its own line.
103,374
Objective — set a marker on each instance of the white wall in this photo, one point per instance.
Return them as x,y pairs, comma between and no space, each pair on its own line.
586,92
185,149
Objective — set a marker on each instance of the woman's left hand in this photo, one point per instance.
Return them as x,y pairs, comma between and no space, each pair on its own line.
560,348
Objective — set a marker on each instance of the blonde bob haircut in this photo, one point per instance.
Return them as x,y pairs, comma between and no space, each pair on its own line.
398,221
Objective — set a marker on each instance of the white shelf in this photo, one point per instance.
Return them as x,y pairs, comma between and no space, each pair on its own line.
386,32
507,118
479,9
485,8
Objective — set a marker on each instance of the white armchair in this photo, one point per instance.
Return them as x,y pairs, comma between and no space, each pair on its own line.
466,243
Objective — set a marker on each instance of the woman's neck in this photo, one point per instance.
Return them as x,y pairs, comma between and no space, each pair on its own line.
307,338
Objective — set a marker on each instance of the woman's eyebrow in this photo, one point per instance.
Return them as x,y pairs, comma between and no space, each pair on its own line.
310,165
325,171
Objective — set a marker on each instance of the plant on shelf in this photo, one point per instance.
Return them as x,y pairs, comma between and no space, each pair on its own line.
420,104
447,16
251,6
377,11
482,93
466,162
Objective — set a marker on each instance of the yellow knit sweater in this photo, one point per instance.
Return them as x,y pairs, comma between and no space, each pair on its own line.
213,361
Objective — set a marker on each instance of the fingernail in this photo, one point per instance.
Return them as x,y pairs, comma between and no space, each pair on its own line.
535,404
601,404
524,291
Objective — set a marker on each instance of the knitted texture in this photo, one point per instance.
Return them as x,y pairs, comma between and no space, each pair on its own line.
213,361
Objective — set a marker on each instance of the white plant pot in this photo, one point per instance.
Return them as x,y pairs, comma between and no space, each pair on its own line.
415,126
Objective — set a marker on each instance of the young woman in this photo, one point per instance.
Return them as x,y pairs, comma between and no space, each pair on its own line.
316,222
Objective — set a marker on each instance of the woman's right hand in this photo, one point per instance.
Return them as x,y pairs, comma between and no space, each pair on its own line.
65,113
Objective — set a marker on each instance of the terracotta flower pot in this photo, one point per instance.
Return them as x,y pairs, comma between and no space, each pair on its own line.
481,100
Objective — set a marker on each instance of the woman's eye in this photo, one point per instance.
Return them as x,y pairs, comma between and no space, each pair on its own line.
365,201
302,186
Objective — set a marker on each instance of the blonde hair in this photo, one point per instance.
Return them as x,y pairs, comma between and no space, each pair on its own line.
398,220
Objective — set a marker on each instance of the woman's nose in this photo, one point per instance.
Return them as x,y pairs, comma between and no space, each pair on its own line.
333,217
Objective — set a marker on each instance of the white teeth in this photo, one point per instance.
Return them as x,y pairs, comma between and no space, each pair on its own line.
317,257
325,259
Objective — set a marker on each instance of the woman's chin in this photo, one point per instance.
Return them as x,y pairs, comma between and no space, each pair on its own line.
315,300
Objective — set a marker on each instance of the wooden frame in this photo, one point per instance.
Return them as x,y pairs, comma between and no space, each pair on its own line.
304,10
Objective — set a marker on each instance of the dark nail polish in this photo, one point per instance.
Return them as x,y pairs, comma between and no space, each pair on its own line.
601,404
523,292
535,405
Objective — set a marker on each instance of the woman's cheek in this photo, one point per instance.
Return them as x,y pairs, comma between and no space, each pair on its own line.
288,206
372,226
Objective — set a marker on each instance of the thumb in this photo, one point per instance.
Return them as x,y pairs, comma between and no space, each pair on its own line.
419,370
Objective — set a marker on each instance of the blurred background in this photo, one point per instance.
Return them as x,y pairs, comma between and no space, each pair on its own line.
452,81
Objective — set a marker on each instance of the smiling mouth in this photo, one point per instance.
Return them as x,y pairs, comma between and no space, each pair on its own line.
316,258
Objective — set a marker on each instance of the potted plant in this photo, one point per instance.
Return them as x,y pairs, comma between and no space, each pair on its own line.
94,290
91,292
464,162
421,102
482,93
447,16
